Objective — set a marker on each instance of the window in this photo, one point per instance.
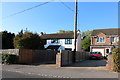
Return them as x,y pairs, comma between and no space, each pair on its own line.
100,39
114,39
68,41
55,41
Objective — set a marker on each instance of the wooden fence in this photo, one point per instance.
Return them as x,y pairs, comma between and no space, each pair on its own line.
36,56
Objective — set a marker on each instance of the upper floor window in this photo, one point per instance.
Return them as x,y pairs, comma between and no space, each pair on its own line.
55,41
68,41
114,39
100,39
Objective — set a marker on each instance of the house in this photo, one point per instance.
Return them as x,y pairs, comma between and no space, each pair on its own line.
62,41
104,40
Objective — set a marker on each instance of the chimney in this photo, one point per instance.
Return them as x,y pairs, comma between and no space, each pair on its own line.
41,33
78,31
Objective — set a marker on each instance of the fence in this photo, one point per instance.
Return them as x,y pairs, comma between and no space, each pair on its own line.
66,57
36,56
62,58
32,56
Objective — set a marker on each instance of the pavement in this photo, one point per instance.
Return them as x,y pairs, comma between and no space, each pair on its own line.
63,72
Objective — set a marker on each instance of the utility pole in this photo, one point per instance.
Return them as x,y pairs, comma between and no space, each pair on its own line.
75,27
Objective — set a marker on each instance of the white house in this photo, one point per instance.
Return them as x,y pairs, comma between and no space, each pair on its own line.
62,41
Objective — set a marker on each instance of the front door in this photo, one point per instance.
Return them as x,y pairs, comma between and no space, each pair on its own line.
107,51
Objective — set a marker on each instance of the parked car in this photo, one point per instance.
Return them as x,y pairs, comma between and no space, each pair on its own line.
96,55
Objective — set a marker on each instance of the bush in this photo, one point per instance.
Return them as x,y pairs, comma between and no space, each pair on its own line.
86,44
116,59
9,58
28,40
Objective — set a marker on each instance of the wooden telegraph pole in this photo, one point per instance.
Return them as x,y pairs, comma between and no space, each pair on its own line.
75,27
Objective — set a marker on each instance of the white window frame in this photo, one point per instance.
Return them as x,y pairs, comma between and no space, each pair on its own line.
68,41
115,39
98,41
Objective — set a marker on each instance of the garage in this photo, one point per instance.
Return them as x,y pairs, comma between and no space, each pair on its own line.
99,50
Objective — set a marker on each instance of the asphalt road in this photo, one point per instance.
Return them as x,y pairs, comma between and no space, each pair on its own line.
8,74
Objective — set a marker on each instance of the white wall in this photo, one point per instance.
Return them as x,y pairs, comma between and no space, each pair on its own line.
62,43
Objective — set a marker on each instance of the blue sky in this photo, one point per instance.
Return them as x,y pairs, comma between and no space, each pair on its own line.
55,16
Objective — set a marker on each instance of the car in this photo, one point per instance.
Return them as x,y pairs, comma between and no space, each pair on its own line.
96,55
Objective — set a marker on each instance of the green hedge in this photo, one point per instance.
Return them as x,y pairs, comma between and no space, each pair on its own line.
9,58
116,59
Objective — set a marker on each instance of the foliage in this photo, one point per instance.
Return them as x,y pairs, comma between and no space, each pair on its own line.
116,59
86,44
28,40
63,31
7,40
86,33
9,58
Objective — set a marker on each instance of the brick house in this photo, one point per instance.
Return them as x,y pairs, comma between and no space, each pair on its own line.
61,41
104,40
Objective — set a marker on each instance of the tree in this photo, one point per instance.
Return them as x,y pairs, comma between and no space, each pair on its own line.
86,43
28,40
7,40
63,31
87,33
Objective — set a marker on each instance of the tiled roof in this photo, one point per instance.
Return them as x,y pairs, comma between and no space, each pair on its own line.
69,35
112,31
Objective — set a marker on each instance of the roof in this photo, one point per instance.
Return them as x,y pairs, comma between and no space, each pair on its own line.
112,31
69,35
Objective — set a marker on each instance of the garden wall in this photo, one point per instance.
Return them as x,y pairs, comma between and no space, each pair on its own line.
9,51
64,58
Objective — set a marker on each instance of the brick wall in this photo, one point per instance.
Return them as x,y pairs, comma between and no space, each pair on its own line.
109,64
107,40
66,57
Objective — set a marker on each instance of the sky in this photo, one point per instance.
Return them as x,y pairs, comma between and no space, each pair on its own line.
54,16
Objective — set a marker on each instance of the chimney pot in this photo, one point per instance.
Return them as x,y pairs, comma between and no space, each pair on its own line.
41,33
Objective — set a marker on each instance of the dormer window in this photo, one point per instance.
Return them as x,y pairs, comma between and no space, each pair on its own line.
100,39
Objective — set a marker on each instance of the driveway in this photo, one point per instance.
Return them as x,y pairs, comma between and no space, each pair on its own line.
90,63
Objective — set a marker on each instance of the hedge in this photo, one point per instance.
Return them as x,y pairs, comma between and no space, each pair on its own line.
116,59
9,58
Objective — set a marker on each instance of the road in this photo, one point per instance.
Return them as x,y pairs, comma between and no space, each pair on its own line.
9,74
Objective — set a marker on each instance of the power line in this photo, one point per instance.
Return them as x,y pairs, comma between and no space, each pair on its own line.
27,9
66,6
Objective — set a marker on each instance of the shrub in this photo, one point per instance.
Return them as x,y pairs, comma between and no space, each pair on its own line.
116,59
86,44
28,40
9,58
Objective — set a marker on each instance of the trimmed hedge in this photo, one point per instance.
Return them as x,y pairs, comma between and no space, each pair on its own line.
9,58
116,59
